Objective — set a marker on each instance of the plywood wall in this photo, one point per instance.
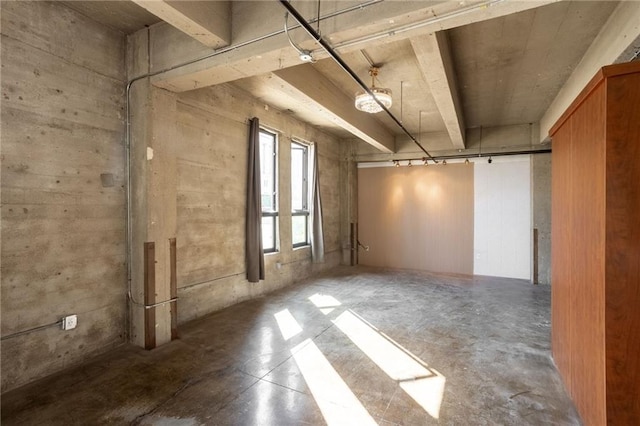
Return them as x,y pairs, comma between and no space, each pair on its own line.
417,217
596,247
63,198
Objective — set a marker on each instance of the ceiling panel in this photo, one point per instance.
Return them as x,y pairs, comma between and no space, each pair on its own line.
510,68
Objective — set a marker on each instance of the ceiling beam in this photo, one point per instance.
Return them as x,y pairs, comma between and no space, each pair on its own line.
436,65
615,38
209,22
255,52
320,94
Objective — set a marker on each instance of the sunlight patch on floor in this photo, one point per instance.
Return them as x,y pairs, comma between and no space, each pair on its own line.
424,384
324,302
339,406
289,327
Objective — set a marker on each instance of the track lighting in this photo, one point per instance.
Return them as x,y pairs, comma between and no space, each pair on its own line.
396,163
409,164
466,161
424,160
444,162
490,160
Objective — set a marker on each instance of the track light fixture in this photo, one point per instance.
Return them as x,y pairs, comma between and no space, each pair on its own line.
424,160
490,160
409,164
396,163
444,162
466,161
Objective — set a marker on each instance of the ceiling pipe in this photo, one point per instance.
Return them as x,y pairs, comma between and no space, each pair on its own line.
314,34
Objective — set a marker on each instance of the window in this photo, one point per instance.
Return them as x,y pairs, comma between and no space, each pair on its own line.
268,182
299,194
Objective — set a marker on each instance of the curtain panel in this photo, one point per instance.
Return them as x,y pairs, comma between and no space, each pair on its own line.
254,251
317,232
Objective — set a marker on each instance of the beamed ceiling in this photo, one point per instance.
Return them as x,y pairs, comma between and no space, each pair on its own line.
452,66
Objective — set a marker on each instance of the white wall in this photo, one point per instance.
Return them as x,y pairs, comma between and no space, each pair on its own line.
502,217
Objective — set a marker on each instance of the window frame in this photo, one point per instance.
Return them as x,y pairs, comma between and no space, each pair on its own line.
273,214
306,190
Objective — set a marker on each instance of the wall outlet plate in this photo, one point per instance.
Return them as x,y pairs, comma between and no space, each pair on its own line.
69,322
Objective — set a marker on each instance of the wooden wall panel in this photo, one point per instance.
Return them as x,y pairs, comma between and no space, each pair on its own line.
587,211
417,217
623,249
561,253
596,247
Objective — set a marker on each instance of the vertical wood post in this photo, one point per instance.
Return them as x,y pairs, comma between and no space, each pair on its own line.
354,243
149,295
535,256
173,288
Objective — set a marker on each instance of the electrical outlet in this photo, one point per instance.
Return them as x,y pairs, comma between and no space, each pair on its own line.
69,322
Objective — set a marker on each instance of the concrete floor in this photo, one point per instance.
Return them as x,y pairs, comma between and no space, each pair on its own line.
356,346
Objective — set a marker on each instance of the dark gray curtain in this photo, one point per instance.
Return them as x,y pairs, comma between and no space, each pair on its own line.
317,232
254,252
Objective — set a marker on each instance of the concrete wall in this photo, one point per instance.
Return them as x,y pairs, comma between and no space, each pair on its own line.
212,131
200,145
63,189
541,195
63,202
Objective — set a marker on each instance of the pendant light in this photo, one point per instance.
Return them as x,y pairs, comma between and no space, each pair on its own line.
367,103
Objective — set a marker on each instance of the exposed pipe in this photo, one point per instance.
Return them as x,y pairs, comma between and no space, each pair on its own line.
31,330
160,303
327,48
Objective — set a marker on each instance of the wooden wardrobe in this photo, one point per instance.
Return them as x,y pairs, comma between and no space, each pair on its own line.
596,247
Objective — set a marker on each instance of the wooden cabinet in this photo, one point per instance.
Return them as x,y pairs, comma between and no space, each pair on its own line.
596,247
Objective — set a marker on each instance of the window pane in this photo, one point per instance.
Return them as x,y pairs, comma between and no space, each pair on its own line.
268,233
299,230
297,178
267,171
